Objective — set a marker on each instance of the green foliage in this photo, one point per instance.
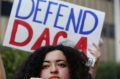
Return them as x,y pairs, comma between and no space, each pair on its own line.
108,71
12,59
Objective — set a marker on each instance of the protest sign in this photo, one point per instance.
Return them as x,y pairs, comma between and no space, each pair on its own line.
36,23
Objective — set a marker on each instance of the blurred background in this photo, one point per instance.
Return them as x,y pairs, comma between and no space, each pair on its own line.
109,66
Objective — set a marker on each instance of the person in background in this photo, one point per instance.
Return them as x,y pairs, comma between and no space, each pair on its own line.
2,70
97,54
55,62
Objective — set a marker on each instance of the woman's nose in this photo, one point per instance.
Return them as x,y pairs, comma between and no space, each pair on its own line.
54,69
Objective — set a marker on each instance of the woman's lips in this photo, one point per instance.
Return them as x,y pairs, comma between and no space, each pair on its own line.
54,77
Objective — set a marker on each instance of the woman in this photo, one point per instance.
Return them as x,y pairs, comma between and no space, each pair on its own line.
55,62
2,70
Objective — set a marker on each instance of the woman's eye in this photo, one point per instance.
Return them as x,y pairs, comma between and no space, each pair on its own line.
62,65
45,66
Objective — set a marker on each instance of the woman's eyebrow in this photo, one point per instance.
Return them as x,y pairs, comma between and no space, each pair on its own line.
46,61
59,60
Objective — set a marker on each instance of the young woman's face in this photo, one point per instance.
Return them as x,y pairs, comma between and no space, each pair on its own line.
55,66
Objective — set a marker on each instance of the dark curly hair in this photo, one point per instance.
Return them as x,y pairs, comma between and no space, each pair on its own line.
76,63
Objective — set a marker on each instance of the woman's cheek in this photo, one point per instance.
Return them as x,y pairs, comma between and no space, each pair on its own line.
64,73
45,74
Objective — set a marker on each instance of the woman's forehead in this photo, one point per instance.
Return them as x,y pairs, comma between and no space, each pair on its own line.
55,55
